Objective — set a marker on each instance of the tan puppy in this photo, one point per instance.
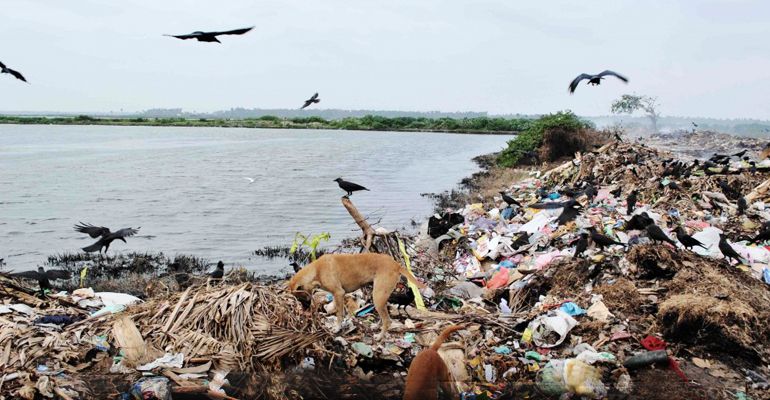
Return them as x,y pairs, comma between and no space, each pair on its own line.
428,371
344,273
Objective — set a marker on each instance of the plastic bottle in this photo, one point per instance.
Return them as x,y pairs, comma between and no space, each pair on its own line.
644,359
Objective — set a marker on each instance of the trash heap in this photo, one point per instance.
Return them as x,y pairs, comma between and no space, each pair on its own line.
636,320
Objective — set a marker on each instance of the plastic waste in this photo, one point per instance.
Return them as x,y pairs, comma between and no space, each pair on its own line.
599,312
544,328
465,290
167,361
63,320
533,355
499,279
363,349
505,350
584,379
490,373
572,309
645,359
504,306
109,298
155,388
766,275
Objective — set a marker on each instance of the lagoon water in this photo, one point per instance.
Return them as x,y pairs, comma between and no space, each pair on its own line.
185,187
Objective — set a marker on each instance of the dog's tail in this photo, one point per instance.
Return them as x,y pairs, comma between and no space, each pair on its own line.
442,337
411,277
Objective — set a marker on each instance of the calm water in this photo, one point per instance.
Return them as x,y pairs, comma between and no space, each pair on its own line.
185,188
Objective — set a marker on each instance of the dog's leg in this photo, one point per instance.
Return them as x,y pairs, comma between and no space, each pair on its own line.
383,287
339,304
446,380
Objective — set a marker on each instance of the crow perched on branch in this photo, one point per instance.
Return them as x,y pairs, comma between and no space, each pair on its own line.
210,36
349,187
311,100
594,79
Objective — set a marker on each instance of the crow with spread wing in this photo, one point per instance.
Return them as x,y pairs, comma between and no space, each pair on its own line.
594,79
210,36
16,74
311,100
106,238
43,277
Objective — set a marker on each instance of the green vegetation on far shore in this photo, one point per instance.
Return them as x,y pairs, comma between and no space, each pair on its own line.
367,123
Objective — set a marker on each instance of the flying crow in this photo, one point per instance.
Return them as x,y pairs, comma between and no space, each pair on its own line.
594,79
349,187
311,100
16,74
210,36
106,236
694,124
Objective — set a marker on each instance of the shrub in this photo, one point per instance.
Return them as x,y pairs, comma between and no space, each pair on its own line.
272,118
532,137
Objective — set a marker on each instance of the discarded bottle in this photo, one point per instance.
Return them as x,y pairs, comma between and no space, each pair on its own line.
645,359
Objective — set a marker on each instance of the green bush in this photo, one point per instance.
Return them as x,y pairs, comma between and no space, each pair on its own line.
532,137
84,118
272,118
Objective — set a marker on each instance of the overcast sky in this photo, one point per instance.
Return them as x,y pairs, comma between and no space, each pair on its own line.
702,58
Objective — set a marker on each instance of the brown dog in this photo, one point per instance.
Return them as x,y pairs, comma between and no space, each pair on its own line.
428,371
344,273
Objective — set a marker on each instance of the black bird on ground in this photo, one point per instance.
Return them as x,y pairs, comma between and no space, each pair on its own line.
726,188
601,240
657,235
686,240
569,214
349,187
522,240
43,277
295,266
740,153
210,36
590,193
542,193
582,245
219,272
311,100
106,238
742,205
594,79
753,168
674,186
639,222
617,191
631,202
401,298
567,192
709,164
509,200
761,236
16,74
728,250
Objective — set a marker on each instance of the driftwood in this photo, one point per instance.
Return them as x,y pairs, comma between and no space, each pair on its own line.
368,231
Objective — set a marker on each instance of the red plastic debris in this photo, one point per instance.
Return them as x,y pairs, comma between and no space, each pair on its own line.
652,343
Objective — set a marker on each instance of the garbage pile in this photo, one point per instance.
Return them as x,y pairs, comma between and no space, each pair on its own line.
701,143
558,284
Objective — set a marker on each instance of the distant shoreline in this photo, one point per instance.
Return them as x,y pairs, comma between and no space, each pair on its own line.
379,124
